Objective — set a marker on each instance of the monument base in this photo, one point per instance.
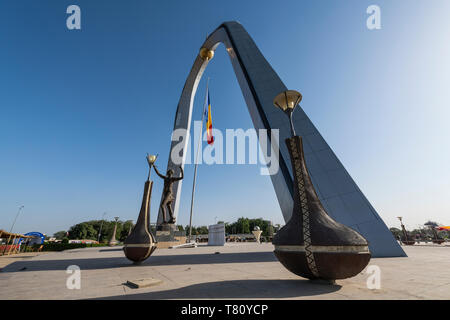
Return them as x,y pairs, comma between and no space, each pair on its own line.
168,235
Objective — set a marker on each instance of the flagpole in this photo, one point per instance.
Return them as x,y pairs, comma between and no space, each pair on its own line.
196,161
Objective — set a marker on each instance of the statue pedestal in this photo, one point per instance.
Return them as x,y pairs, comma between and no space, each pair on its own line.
167,235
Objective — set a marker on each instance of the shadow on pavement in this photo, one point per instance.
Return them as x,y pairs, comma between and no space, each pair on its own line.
157,260
236,289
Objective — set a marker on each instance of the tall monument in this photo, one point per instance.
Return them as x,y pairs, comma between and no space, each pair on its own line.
337,191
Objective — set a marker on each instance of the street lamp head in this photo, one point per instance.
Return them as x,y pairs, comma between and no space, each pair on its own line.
116,218
151,159
287,100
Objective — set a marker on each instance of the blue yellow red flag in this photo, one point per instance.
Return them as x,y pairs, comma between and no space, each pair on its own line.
210,137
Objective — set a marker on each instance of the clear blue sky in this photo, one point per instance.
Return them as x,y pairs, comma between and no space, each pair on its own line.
80,109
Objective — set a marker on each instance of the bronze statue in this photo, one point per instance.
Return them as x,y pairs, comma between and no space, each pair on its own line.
168,192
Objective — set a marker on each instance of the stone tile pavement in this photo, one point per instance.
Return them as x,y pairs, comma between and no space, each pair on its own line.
239,271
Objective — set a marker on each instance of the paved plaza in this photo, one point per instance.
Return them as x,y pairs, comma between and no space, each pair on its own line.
235,271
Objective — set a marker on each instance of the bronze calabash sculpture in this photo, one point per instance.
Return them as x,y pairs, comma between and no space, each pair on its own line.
141,243
312,244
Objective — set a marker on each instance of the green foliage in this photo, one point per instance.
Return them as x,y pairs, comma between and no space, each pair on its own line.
90,230
59,235
246,225
202,230
196,230
396,232
425,234
127,226
84,230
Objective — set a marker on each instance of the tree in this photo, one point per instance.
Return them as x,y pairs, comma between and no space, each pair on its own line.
202,230
125,229
59,235
194,230
82,230
246,225
90,230
262,224
242,225
396,232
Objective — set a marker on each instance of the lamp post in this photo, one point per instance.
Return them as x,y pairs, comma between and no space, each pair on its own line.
113,240
18,212
101,225
14,222
287,101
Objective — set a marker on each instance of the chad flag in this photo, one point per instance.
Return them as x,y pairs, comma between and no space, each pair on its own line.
209,135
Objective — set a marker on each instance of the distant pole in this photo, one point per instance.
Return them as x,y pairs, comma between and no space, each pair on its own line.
196,161
101,225
18,212
6,245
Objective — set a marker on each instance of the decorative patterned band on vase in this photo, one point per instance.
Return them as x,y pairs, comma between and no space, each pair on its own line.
297,158
330,249
139,245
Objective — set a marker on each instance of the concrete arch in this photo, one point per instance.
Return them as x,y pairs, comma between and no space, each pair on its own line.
260,84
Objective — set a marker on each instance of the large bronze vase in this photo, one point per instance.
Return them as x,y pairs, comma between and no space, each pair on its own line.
312,244
141,243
